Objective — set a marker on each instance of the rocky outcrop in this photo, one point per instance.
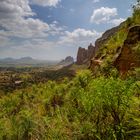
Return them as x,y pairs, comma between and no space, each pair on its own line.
129,56
87,55
105,37
96,60
67,61
84,55
81,56
90,51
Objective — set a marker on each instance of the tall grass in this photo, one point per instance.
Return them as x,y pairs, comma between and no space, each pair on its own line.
83,108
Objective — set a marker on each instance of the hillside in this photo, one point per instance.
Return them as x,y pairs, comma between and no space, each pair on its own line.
118,48
82,108
69,103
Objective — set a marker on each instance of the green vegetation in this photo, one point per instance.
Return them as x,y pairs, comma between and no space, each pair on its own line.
83,108
12,78
102,106
136,12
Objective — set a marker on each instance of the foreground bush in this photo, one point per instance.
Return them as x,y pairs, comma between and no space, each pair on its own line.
83,108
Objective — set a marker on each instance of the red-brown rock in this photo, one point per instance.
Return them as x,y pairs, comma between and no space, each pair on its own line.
84,55
129,58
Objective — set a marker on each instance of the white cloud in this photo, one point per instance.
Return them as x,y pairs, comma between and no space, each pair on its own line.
55,22
103,14
23,35
106,15
46,2
79,37
24,28
15,18
14,8
41,48
116,21
17,21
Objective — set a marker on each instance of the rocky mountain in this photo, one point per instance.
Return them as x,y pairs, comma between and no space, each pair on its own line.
84,55
9,59
120,50
25,61
67,61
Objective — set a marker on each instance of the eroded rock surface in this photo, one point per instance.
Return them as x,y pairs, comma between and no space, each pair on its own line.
105,37
129,56
84,55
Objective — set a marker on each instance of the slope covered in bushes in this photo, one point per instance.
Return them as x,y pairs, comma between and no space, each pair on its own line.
83,108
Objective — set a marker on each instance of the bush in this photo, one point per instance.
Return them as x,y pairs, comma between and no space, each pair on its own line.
83,108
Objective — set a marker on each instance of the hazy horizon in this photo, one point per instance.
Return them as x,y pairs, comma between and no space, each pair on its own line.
17,58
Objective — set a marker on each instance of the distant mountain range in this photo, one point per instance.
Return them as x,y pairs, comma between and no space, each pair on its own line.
9,59
25,61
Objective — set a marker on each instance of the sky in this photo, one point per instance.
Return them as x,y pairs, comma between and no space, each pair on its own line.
54,29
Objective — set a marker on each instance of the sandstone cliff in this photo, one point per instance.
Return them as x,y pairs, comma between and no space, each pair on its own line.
105,37
124,57
84,55
129,57
118,48
99,54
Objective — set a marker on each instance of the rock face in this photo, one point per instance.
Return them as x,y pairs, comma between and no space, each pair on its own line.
84,55
67,61
129,56
96,61
94,64
105,37
81,56
90,51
